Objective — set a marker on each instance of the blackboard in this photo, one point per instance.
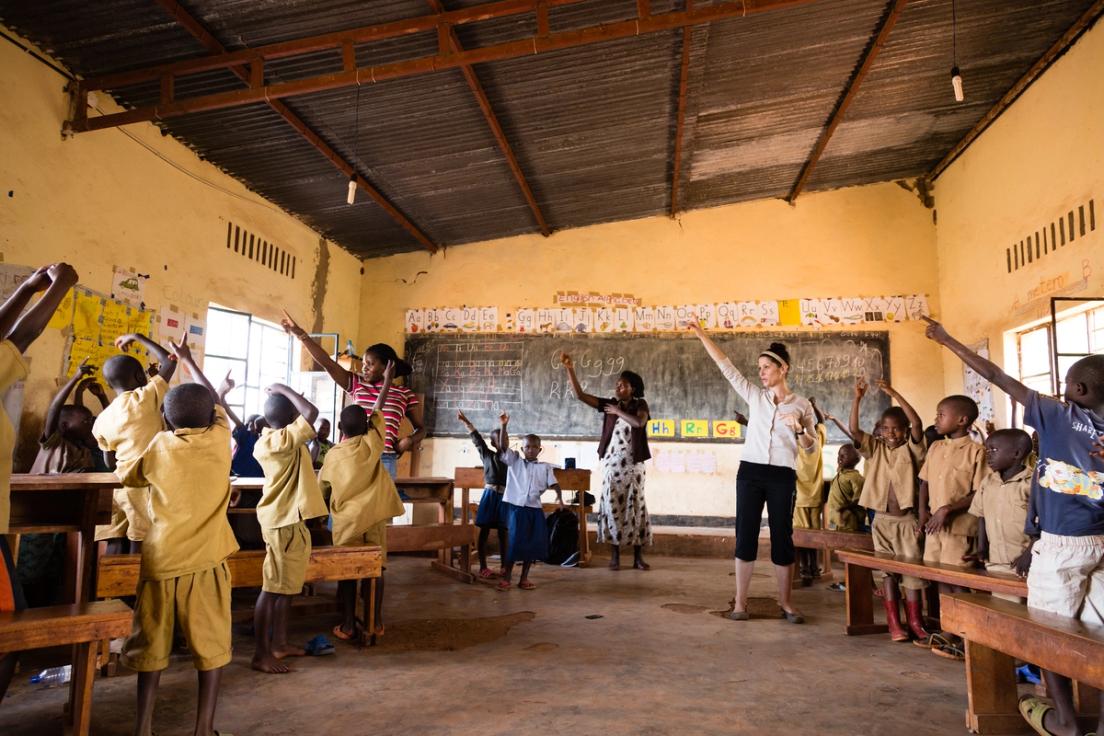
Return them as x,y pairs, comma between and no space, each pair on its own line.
485,374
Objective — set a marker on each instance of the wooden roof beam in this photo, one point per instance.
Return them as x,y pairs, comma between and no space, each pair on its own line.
680,116
536,44
245,73
1060,46
849,92
492,122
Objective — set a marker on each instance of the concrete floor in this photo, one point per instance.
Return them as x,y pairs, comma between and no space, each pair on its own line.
598,652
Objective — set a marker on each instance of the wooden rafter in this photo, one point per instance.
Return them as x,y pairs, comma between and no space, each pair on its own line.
849,92
249,74
528,46
492,121
1060,46
680,117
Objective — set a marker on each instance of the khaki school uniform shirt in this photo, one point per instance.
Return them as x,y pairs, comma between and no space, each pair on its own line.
291,492
58,455
954,469
188,472
361,491
13,368
887,466
130,422
810,471
844,493
1003,505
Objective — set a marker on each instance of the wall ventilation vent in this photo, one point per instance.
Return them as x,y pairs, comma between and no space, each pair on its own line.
256,248
1068,227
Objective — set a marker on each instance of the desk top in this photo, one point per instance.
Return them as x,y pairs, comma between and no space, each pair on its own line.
22,482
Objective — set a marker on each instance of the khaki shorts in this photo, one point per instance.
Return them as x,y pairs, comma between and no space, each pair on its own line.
806,517
947,548
130,515
1004,570
1067,577
897,536
848,521
199,603
375,536
288,551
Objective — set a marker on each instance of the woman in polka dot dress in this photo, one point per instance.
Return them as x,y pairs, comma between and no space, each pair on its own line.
623,448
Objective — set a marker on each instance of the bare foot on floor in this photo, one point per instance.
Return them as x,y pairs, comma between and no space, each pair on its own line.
642,565
270,665
288,651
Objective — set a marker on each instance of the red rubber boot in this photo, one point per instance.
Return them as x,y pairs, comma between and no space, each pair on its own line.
916,621
897,632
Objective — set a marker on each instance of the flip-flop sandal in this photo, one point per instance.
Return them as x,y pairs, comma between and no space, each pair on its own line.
949,651
339,634
319,646
932,641
487,574
503,585
1034,709
527,585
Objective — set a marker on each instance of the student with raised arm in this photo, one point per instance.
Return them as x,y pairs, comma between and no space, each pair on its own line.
123,431
366,387
891,490
1065,511
781,424
19,329
623,449
65,445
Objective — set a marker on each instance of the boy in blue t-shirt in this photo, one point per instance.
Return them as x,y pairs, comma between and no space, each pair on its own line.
1065,513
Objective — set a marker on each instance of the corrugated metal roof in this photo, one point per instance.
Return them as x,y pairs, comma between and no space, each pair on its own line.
592,127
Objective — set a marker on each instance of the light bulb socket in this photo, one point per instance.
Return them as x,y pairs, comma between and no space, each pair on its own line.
352,190
956,83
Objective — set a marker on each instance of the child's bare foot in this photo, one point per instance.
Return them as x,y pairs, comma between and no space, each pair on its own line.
526,585
288,651
640,564
270,665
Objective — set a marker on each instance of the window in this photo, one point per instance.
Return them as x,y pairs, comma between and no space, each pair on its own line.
258,353
1045,351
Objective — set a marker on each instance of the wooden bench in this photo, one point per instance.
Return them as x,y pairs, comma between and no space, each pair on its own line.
572,479
118,574
997,633
83,625
827,541
860,592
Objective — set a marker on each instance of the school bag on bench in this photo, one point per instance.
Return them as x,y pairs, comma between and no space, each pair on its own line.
563,536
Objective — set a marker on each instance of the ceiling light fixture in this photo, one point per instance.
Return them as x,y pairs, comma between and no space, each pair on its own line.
956,74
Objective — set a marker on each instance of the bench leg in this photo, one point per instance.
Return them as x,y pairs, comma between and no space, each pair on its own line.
79,717
991,695
860,602
1086,699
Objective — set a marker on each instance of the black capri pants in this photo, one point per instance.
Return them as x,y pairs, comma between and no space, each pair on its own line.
775,486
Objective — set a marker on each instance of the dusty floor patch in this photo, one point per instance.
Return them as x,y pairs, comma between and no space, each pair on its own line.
757,607
446,634
682,608
542,646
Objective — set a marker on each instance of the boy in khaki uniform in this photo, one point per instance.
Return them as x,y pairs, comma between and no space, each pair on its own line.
810,496
845,514
892,459
1000,505
184,580
363,498
290,496
124,430
952,472
18,329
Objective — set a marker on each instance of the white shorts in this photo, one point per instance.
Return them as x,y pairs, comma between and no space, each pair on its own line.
1067,577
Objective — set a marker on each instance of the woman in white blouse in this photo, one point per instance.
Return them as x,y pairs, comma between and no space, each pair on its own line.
781,424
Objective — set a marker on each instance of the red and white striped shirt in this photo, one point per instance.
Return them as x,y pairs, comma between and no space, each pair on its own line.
398,403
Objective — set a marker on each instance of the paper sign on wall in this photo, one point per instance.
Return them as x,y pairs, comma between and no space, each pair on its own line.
727,429
128,286
694,428
664,428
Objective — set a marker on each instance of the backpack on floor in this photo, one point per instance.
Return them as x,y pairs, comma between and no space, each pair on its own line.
563,535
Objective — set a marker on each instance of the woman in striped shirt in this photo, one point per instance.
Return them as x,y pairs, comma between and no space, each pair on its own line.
781,424
364,389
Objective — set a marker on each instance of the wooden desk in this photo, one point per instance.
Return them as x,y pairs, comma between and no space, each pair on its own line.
997,633
69,503
860,605
826,541
444,537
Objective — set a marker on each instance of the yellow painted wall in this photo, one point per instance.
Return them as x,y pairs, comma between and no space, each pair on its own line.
101,199
853,242
1041,158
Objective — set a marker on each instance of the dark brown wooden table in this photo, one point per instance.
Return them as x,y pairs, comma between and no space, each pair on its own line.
68,503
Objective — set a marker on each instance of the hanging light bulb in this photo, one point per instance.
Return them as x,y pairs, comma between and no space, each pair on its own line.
956,74
352,191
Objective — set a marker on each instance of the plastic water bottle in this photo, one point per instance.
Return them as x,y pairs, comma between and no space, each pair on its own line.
53,676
